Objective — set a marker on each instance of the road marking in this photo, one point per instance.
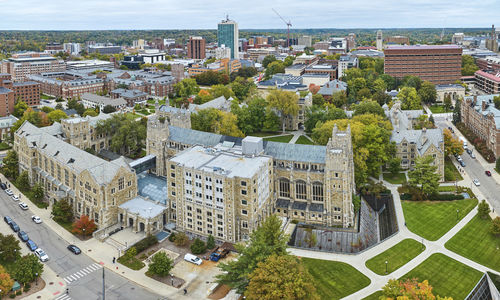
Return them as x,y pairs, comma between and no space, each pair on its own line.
77,277
84,272
67,281
88,269
63,297
73,278
81,273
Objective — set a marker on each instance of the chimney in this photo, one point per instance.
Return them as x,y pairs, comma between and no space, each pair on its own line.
483,105
337,85
328,85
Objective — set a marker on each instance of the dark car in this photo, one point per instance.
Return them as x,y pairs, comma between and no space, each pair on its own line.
469,151
31,245
14,226
3,186
7,219
462,163
488,173
74,249
23,236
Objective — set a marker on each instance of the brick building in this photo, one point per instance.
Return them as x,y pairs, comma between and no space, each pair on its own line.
397,39
23,64
224,65
27,91
489,63
487,81
439,64
196,47
7,100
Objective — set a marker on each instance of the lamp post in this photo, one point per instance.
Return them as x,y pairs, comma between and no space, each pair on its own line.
36,277
458,210
386,262
83,232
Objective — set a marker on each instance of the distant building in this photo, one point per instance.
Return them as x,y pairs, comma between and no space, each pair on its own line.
331,87
23,64
132,62
93,101
72,48
489,63
346,62
458,38
132,97
222,52
439,64
26,91
492,42
285,82
6,124
397,39
329,69
68,84
351,41
487,81
224,65
305,40
104,49
7,101
305,59
196,47
367,53
53,48
380,41
178,72
88,64
228,34
152,56
455,91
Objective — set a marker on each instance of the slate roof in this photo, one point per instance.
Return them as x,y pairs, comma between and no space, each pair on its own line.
144,208
422,138
333,86
490,106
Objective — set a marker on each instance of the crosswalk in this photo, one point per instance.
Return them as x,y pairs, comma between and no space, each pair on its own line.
82,273
63,297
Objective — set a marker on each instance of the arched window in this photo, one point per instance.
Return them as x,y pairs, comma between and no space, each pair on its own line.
317,191
284,185
300,189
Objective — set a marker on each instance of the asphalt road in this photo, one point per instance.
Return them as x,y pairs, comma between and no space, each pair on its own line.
64,263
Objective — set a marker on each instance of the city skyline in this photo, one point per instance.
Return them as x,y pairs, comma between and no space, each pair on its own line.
167,14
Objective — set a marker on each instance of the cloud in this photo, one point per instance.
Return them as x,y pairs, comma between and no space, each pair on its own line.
202,14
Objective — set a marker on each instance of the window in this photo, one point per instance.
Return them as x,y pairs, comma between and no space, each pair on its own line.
244,224
284,185
113,190
121,184
243,183
172,175
300,190
244,212
317,191
243,192
243,202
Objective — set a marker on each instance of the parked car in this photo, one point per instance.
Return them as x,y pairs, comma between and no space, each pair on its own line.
469,151
472,156
3,186
14,226
476,182
36,219
31,245
41,255
74,249
7,220
15,197
23,236
488,173
459,158
218,254
192,259
23,206
462,163
9,192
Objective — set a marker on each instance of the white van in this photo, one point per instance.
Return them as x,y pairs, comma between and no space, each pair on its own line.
192,259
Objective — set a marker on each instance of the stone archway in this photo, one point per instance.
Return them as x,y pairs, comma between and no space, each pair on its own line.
142,227
130,222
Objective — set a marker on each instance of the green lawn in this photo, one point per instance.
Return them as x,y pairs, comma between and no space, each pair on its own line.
335,280
447,276
475,242
4,146
281,139
131,262
450,171
46,97
396,257
438,109
304,141
432,219
447,188
398,178
264,134
374,296
132,116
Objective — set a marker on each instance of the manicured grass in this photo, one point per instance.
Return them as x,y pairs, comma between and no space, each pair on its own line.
432,219
67,226
374,296
438,109
447,276
398,178
264,134
476,242
132,262
144,112
304,141
4,146
46,97
281,139
450,171
132,116
447,188
335,280
396,257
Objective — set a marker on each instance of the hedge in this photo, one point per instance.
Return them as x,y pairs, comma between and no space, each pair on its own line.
145,243
436,197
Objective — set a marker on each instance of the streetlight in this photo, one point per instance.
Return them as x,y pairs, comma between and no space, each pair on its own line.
386,262
36,276
83,232
457,213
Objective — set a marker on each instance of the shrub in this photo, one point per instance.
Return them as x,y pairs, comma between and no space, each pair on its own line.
27,286
210,242
483,209
145,243
26,290
198,246
171,237
295,221
181,239
446,197
12,296
19,293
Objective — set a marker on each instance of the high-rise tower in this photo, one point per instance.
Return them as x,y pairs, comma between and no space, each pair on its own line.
227,34
379,40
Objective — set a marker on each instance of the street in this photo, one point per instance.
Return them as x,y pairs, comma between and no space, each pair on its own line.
82,275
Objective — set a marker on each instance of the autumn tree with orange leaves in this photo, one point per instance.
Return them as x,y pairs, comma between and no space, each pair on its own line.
84,226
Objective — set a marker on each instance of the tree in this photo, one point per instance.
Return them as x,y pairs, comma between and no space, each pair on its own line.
198,246
6,282
186,88
108,109
447,102
381,97
496,101
409,98
409,289
311,239
74,104
281,277
364,94
266,240
412,81
161,264
47,109
495,226
19,108
424,175
457,113
59,106
274,68
221,90
127,136
452,145
210,242
62,211
271,121
483,210
285,102
214,120
23,181
9,248
317,114
318,99
38,192
27,267
84,226
11,165
469,66
427,92
394,165
339,99
242,87
368,107
289,60
181,239
267,60
90,112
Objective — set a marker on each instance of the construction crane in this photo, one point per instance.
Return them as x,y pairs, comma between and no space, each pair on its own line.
288,25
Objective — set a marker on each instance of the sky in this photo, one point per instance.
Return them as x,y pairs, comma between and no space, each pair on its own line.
253,14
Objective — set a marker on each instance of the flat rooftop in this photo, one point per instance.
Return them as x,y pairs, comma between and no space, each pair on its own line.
423,47
152,187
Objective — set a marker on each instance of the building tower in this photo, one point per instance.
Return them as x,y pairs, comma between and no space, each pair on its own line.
339,179
228,35
379,40
196,47
156,141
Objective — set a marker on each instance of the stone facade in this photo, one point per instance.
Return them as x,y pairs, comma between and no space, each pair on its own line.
455,91
297,122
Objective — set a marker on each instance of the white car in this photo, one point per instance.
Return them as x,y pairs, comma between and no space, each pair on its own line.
192,259
36,219
476,182
472,156
9,192
23,206
41,255
15,197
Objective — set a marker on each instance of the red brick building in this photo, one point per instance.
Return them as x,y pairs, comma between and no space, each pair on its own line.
28,91
439,64
196,47
487,81
6,101
489,63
